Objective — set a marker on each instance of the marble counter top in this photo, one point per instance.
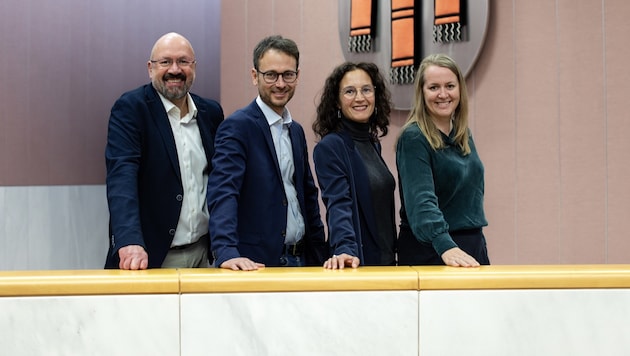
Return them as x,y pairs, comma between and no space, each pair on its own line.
88,282
213,280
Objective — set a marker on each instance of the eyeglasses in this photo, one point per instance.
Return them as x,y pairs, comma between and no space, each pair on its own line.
271,77
167,62
351,92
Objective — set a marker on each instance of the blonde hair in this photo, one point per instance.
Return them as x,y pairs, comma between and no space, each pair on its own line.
420,116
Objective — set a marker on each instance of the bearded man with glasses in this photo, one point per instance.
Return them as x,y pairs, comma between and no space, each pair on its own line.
262,199
160,143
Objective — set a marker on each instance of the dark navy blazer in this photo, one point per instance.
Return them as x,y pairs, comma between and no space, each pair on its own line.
144,187
345,185
246,198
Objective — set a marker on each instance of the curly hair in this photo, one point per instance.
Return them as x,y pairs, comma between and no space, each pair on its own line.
328,120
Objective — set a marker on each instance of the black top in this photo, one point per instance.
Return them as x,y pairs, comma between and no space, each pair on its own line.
382,185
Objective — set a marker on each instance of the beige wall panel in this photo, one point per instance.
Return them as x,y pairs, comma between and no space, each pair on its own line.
255,19
319,55
288,19
236,56
261,22
617,71
493,124
313,66
536,83
582,132
320,50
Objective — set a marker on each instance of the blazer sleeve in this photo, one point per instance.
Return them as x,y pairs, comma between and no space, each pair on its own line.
122,157
317,247
415,171
334,174
224,185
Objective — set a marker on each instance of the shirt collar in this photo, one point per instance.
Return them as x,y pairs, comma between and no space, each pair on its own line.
272,116
192,108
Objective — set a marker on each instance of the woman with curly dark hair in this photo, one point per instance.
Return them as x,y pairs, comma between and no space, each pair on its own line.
357,187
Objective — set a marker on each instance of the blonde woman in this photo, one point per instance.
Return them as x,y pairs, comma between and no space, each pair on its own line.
440,174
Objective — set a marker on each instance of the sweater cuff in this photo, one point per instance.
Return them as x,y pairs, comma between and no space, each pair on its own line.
443,243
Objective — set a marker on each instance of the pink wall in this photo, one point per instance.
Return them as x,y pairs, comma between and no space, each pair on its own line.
547,112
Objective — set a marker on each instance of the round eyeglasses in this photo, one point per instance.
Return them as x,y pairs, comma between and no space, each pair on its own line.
351,92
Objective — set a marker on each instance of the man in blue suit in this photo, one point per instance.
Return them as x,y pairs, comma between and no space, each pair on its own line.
263,202
160,144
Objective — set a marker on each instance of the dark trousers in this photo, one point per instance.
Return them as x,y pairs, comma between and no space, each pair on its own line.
412,252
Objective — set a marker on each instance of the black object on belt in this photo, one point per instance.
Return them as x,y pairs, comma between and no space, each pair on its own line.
183,247
294,250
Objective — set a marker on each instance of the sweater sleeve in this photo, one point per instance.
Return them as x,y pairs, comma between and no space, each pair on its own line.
414,158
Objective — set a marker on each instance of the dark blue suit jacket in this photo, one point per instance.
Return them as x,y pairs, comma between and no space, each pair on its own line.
345,185
144,188
246,198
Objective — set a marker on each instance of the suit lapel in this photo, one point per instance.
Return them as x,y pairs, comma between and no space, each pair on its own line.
262,123
160,119
298,157
205,130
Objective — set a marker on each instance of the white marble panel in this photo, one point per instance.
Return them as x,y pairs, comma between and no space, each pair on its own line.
4,255
293,323
90,325
15,240
53,227
525,322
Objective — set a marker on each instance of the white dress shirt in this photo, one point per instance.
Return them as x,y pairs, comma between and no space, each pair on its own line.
279,126
193,217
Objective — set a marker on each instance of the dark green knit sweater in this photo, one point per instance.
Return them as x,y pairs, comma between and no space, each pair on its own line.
441,190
